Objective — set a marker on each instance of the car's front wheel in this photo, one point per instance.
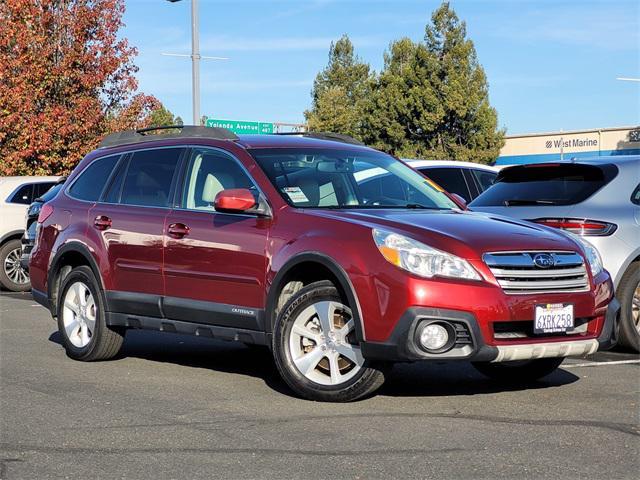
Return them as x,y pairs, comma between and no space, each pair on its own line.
81,318
316,350
519,371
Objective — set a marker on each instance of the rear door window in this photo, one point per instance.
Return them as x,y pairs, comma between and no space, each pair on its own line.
89,185
556,184
149,178
451,179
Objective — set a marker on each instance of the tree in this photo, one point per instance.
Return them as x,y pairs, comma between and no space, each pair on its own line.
66,80
339,92
465,123
403,106
430,100
162,117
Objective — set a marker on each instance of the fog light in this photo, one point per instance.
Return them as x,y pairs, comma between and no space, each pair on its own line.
434,336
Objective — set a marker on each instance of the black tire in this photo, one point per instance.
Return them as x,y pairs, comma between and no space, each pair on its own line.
629,335
367,380
105,342
519,371
5,281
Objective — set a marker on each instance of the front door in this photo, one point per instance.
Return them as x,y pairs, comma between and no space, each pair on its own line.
215,263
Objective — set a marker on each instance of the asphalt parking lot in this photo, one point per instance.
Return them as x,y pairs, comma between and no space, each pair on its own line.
184,407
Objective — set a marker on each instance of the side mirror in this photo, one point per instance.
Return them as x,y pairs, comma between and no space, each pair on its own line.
459,200
241,200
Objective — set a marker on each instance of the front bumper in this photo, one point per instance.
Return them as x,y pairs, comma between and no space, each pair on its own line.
470,344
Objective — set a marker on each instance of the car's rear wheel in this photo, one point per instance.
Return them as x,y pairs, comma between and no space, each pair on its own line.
316,350
81,318
519,371
12,276
628,294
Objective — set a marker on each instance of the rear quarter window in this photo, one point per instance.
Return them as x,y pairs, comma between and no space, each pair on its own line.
558,184
90,183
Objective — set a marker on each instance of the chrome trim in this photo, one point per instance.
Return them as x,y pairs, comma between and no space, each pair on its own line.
517,273
509,353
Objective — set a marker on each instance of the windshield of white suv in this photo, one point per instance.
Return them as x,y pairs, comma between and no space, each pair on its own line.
330,178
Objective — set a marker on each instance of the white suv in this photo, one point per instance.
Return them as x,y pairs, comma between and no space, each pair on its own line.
16,193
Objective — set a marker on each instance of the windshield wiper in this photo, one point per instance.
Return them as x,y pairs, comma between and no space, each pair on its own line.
517,202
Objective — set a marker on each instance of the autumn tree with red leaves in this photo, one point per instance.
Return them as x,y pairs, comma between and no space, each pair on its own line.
66,80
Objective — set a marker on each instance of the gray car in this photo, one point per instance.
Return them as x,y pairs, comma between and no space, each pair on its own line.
598,199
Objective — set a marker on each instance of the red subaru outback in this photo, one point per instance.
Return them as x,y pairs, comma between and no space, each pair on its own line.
338,257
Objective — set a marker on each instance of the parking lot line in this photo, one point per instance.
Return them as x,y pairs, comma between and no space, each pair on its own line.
599,364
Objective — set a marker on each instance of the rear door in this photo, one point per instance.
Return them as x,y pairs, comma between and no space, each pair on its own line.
215,263
131,218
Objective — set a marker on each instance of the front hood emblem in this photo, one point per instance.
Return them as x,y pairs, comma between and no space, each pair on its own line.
544,260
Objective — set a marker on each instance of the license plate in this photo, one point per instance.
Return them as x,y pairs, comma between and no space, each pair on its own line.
553,318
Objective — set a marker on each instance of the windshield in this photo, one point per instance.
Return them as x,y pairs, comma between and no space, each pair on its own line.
329,178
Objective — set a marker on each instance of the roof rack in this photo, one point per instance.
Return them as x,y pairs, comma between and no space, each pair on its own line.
336,137
142,135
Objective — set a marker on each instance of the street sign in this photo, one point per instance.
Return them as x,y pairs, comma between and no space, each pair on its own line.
239,126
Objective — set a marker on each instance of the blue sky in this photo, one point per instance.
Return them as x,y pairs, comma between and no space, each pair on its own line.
551,64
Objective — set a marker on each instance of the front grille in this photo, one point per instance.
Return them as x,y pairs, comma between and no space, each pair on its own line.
517,273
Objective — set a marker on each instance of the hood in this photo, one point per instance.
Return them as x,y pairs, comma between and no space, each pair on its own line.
463,233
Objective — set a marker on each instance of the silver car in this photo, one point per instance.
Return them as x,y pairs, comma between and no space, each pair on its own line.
598,199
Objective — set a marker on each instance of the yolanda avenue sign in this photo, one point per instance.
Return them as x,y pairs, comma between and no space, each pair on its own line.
240,126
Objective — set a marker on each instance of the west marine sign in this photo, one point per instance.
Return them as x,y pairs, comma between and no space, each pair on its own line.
549,147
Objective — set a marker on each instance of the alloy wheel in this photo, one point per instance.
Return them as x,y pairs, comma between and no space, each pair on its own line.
320,342
13,270
79,314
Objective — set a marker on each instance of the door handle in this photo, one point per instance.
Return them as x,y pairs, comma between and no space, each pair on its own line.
178,230
102,222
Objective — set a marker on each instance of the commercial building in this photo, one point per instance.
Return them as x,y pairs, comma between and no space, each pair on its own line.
545,147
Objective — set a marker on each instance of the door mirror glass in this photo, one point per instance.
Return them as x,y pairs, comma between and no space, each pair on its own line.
235,200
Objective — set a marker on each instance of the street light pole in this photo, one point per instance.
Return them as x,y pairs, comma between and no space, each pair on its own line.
195,61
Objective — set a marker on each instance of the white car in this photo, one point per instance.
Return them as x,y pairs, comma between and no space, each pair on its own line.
16,194
466,179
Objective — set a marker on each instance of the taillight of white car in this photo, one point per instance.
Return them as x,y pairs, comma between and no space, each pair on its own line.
582,227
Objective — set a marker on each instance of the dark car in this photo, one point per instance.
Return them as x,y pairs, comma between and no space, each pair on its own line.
269,239
465,179
29,237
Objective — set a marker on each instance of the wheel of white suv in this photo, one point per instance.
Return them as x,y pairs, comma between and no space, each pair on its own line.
628,294
521,371
12,276
81,318
315,347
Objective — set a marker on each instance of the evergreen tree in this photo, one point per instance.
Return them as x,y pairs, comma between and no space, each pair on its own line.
339,91
431,99
466,124
161,117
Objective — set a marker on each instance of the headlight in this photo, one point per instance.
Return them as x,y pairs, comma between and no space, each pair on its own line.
593,256
422,259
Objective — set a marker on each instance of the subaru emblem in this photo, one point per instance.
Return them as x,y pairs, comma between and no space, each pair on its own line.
544,260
